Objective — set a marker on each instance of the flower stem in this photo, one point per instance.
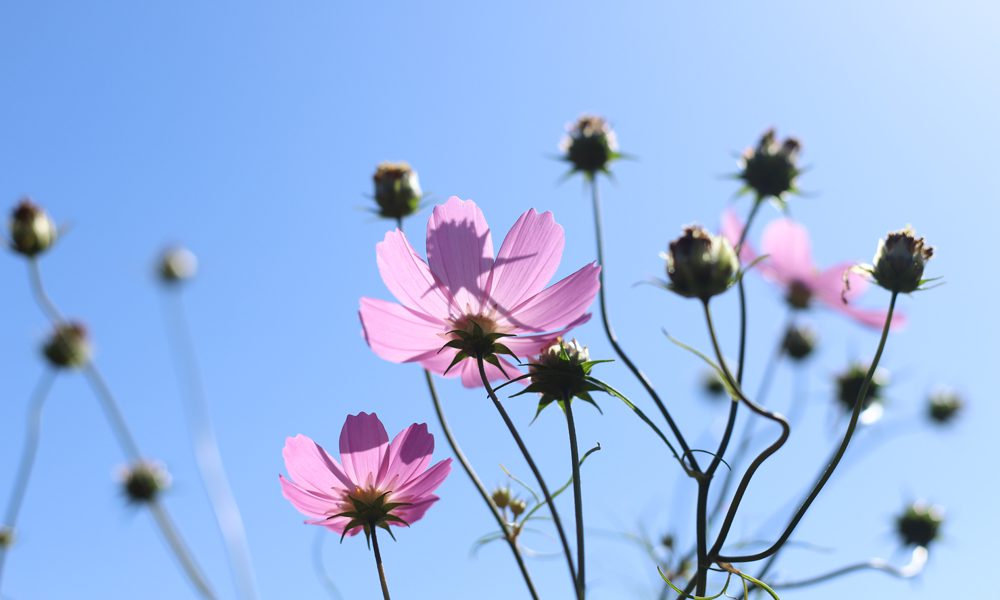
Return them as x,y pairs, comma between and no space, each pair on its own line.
467,467
179,549
574,450
378,563
613,339
32,435
531,465
742,294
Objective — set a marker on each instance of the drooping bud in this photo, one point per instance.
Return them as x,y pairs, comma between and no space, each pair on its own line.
6,537
799,342
68,346
701,265
143,481
176,265
517,507
849,386
31,229
899,261
397,190
770,169
590,145
920,524
944,405
501,497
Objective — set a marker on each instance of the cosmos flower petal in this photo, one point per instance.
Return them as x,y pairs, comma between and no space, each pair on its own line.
415,511
310,503
526,346
557,306
423,484
363,444
732,229
528,258
337,525
409,278
460,251
786,243
396,333
312,468
409,453
829,283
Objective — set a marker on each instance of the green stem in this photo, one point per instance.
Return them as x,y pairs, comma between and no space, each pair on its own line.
378,563
179,549
742,294
574,450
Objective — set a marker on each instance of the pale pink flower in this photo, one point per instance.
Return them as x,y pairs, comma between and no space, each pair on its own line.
789,264
374,472
461,283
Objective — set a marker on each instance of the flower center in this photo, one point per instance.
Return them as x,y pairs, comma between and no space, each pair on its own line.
799,295
366,495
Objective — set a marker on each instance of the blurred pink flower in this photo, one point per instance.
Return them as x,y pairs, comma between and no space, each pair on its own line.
789,264
461,284
394,476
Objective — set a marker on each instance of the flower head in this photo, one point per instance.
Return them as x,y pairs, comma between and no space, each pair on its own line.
501,497
177,265
944,405
712,384
770,168
561,372
590,145
462,288
920,524
899,261
397,190
377,483
31,229
68,346
799,342
143,481
701,265
849,384
788,263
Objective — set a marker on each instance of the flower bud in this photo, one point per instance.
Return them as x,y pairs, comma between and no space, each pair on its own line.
849,386
501,497
712,384
799,342
920,524
31,229
6,537
900,260
397,190
561,373
590,145
771,168
143,481
944,405
518,506
177,265
68,346
701,265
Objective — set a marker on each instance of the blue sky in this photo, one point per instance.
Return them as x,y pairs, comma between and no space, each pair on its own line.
249,131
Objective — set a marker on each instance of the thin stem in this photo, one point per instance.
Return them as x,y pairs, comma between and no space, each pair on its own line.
613,339
319,565
113,412
206,448
742,295
574,450
378,563
32,435
41,297
531,465
914,568
827,473
180,550
508,535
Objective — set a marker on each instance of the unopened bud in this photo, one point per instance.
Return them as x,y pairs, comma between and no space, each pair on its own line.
920,524
143,481
770,169
6,537
944,405
397,190
518,506
701,265
501,497
712,384
177,265
590,145
849,386
900,260
68,346
31,229
799,342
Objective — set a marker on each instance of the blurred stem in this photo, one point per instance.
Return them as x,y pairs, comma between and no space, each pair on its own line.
206,446
319,565
613,339
38,290
574,450
378,562
32,435
742,293
180,550
534,469
508,535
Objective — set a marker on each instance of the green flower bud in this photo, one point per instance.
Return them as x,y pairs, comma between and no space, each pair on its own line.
6,537
701,265
517,507
143,481
590,145
712,384
397,190
944,405
900,260
920,524
501,497
177,265
31,230
849,386
68,347
799,342
771,168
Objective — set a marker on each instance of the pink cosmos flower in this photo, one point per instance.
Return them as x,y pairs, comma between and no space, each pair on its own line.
390,480
462,285
789,264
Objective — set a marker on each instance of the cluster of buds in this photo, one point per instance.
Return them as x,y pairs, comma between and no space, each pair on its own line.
590,145
143,481
397,190
68,346
900,260
944,405
32,231
849,386
504,499
701,265
770,169
799,342
176,265
920,524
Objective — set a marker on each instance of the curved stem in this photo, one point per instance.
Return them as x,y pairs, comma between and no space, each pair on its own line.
531,465
574,450
613,339
113,412
32,435
378,563
319,565
179,549
742,295
508,535
827,473
914,568
38,290
206,448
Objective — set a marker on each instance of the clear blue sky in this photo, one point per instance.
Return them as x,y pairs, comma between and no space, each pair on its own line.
249,131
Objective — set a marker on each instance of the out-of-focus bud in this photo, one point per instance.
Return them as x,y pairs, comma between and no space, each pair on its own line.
701,265
712,384
501,497
799,342
6,537
849,386
68,346
517,507
770,169
176,265
31,229
590,145
920,524
397,190
944,405
143,481
667,541
900,260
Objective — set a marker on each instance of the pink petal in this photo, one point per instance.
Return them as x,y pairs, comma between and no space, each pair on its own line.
789,253
732,229
830,283
460,252
528,258
337,524
312,468
559,305
409,278
363,444
398,334
423,484
414,512
311,504
409,454
527,346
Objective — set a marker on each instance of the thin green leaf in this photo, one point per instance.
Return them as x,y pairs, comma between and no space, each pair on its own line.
718,370
693,597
